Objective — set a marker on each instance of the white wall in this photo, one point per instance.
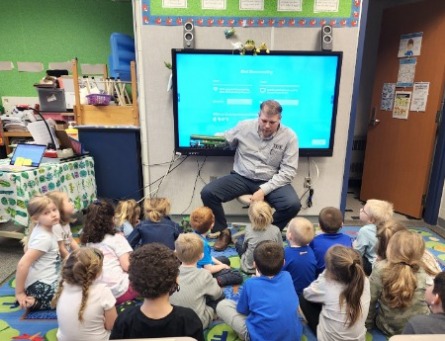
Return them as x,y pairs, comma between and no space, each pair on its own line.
154,46
442,210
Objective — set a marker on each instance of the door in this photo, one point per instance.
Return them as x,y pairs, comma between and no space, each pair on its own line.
399,152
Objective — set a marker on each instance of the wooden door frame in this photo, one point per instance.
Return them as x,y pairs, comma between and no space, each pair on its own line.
437,177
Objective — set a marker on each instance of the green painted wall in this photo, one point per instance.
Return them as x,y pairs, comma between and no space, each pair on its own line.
56,31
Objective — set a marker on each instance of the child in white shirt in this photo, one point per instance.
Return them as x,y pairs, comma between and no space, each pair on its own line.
38,269
85,307
62,230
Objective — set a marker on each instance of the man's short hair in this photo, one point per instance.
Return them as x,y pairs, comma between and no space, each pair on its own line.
330,219
202,219
271,107
153,270
301,230
189,247
268,257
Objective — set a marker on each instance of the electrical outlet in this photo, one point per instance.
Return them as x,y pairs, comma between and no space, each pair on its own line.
307,182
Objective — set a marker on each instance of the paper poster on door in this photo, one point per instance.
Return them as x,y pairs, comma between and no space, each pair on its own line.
387,96
401,105
407,69
420,96
410,45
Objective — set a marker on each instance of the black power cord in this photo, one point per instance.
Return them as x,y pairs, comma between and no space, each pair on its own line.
309,198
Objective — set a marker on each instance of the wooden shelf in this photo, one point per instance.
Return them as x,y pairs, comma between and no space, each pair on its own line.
110,115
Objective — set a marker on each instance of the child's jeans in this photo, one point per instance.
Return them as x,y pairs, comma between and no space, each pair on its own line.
43,294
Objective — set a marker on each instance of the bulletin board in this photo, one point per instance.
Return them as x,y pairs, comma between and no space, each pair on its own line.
252,13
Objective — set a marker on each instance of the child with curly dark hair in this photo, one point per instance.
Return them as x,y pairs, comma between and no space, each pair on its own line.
99,232
154,271
85,308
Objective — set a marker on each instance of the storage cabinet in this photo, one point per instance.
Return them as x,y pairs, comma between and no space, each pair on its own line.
110,115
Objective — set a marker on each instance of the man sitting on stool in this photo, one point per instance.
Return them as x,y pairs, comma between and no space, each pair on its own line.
266,161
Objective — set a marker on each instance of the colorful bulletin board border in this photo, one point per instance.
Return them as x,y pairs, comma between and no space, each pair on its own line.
347,15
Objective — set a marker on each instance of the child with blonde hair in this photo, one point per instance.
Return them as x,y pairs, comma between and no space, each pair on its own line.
374,213
299,259
38,269
85,307
330,220
202,220
157,226
343,291
260,228
384,234
398,284
199,290
62,230
126,216
99,232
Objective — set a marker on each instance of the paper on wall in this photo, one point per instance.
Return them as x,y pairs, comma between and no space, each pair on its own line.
29,66
6,66
420,96
61,65
401,104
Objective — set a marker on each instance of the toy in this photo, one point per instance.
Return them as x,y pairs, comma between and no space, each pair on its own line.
249,47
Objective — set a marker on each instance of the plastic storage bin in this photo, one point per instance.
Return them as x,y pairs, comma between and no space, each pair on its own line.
52,99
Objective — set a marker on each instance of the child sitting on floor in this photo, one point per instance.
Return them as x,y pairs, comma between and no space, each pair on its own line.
154,271
157,226
199,290
342,294
331,221
62,230
374,213
268,304
435,322
126,216
38,269
260,228
299,259
398,284
99,232
202,220
85,308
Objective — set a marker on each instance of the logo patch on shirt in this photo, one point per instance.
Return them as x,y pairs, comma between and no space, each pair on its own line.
277,146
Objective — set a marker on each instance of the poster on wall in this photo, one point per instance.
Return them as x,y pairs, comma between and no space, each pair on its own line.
407,69
410,45
387,99
401,104
326,5
420,96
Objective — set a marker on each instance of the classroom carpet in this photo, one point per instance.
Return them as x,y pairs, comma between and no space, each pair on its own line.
16,324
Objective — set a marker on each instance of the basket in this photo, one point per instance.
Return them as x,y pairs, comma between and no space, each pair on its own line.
98,99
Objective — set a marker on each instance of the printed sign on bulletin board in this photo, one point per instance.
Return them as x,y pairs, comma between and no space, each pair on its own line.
252,13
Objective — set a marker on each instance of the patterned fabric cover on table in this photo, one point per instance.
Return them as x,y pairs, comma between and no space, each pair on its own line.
73,177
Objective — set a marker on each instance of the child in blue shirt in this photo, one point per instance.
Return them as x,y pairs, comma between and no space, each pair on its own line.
268,304
331,221
157,226
299,258
374,213
202,220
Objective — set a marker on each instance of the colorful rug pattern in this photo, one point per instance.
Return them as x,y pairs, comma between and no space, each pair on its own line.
41,326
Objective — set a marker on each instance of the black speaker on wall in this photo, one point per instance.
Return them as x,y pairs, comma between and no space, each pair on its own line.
327,38
189,35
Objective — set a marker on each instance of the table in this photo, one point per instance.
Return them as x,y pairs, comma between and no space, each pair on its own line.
76,178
